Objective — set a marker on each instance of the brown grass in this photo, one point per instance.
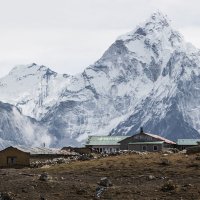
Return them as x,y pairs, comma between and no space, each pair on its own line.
128,173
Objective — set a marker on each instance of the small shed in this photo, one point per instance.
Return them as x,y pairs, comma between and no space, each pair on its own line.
107,144
13,157
185,143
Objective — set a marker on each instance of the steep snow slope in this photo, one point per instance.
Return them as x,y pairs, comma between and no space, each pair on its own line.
18,129
172,107
138,81
149,77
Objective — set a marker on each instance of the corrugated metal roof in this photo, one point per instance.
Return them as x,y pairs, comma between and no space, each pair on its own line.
156,142
160,138
187,141
104,140
157,137
39,150
11,147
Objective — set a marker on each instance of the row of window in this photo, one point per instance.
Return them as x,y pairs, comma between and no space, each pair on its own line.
106,150
155,148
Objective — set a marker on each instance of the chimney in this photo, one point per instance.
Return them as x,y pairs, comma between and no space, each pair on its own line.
141,130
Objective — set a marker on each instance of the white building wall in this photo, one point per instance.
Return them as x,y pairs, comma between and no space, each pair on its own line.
106,149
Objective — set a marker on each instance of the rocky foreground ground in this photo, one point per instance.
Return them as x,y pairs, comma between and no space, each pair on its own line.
152,176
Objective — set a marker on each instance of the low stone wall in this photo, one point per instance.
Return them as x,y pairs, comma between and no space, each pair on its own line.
193,150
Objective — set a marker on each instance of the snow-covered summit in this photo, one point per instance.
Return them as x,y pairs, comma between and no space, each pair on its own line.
156,34
159,20
156,23
31,86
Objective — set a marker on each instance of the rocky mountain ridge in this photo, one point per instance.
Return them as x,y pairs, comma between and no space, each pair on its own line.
149,77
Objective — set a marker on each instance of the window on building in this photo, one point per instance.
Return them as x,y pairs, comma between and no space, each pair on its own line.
95,149
144,148
110,149
155,148
100,150
11,160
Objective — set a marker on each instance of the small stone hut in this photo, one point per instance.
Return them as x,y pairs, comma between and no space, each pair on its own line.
13,157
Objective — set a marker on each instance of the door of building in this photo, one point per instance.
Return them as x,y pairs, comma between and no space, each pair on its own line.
11,161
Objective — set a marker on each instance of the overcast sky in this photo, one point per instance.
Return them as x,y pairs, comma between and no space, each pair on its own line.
69,35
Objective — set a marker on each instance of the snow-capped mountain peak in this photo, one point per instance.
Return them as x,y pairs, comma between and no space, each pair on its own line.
148,77
23,71
157,29
33,85
159,19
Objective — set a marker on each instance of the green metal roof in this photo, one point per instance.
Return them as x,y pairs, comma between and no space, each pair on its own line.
156,142
104,140
187,141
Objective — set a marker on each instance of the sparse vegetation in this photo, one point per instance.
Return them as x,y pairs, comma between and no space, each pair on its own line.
133,177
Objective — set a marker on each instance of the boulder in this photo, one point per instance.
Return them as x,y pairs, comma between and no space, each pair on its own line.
168,186
44,177
105,182
99,191
165,161
151,177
